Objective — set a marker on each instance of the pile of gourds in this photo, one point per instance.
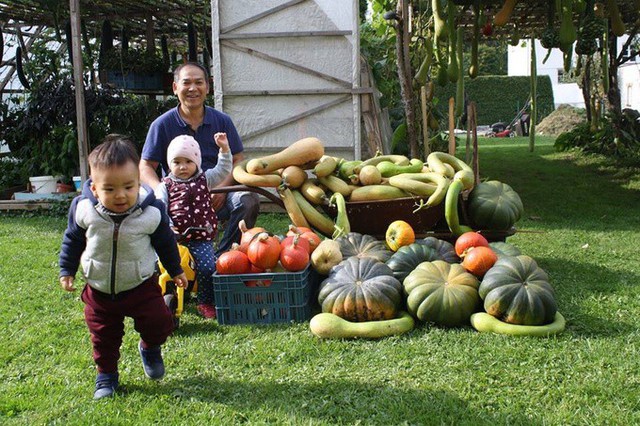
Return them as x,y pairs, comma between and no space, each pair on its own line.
306,178
491,286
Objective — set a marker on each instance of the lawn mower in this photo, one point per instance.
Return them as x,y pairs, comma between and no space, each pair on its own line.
501,130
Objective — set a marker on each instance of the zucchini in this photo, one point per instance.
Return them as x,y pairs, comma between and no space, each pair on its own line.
342,226
335,184
299,153
292,207
325,166
429,184
377,192
330,326
20,69
460,82
312,192
473,67
484,322
439,25
192,41
504,14
241,175
452,67
451,209
388,169
317,220
617,25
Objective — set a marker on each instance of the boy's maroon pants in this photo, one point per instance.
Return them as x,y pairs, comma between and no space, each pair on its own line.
105,318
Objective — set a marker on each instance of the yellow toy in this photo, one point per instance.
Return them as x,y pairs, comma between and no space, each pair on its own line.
174,295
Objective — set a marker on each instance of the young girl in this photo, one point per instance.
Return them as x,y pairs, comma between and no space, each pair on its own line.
115,229
185,191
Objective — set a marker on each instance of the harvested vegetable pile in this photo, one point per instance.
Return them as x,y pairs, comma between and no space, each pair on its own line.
563,119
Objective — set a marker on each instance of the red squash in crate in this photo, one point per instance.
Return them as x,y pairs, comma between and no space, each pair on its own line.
233,261
294,253
469,240
306,233
248,234
479,260
257,283
264,251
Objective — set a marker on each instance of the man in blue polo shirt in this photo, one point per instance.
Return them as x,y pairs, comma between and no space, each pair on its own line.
193,117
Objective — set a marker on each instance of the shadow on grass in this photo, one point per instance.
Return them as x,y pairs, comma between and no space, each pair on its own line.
558,191
583,290
338,401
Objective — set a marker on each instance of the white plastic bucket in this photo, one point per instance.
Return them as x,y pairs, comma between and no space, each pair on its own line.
43,184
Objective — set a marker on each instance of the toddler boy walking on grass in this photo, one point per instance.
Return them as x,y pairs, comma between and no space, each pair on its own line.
114,231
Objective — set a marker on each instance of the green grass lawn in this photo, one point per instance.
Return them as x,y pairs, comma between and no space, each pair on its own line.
581,224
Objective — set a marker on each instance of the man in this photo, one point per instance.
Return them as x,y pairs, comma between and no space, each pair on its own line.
192,117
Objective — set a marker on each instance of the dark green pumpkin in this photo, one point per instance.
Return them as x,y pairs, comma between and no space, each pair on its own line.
361,289
408,257
441,293
494,205
502,248
362,245
445,249
517,291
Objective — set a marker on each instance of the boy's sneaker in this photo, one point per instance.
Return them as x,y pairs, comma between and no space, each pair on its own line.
207,310
106,385
152,361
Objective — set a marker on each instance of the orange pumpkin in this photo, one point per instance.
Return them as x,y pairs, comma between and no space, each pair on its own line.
467,241
294,255
479,260
306,233
233,261
247,234
399,234
264,251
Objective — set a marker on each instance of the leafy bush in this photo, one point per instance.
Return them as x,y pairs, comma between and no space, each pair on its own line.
604,140
44,126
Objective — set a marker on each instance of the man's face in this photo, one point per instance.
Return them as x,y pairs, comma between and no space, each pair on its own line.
191,88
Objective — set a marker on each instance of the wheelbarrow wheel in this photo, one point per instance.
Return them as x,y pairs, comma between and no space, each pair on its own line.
172,303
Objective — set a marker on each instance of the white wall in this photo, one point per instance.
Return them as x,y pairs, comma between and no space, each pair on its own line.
570,93
629,78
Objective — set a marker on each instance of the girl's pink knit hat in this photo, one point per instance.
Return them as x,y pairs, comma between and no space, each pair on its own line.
184,146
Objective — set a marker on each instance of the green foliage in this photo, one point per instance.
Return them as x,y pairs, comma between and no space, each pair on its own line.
138,61
603,140
41,131
499,98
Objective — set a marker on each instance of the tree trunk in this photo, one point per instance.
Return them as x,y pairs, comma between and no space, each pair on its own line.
613,95
586,87
404,74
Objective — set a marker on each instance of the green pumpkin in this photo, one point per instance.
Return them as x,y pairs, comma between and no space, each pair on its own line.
494,205
445,249
504,249
361,289
442,293
362,245
408,257
517,291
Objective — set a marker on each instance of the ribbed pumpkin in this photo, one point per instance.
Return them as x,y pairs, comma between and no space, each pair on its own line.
361,289
502,248
517,291
445,249
494,205
408,257
362,245
441,293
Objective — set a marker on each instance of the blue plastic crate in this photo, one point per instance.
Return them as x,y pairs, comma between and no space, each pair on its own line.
287,298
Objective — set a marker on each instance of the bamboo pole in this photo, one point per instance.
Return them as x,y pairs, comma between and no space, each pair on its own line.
81,116
425,120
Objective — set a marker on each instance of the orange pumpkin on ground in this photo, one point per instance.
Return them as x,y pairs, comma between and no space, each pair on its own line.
399,234
469,240
479,260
